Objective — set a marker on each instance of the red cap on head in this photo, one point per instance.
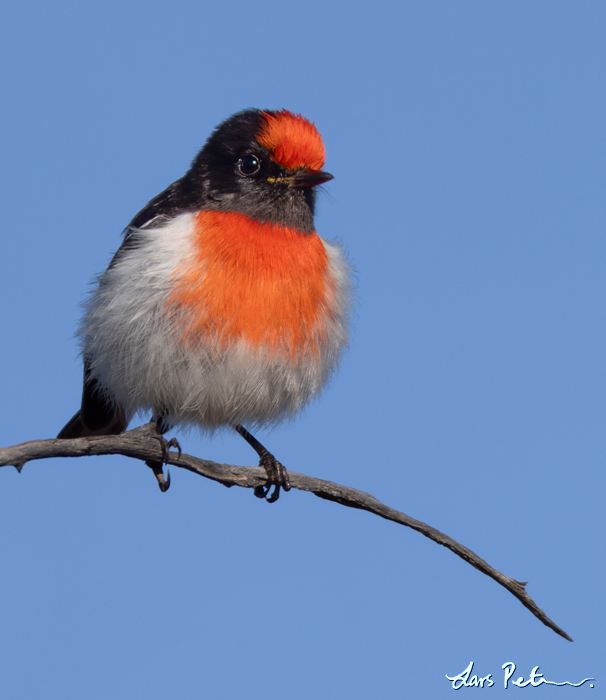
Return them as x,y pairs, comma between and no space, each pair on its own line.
292,140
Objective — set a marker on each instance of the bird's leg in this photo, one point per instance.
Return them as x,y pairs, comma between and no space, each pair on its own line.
277,476
160,428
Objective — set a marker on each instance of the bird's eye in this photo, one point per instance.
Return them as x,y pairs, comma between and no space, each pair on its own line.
249,165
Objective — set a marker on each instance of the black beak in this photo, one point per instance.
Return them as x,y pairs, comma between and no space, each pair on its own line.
309,178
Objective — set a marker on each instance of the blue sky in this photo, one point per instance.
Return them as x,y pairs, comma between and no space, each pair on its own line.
468,146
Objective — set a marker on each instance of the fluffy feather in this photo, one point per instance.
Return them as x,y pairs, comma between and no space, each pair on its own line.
133,335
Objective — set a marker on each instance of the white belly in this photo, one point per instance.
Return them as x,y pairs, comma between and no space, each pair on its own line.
136,351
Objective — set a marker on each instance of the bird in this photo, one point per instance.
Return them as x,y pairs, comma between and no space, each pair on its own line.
222,307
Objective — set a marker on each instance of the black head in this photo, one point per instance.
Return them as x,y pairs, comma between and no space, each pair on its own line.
259,163
262,164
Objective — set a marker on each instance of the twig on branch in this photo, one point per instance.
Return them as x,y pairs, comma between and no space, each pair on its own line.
142,443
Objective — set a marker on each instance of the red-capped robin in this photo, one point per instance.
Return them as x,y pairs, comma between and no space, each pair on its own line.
222,306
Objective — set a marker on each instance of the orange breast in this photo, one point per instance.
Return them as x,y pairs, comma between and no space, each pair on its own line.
263,283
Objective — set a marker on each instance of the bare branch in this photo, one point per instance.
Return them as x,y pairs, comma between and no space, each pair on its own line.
142,443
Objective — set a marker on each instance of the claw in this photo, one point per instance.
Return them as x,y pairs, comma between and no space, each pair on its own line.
277,476
263,492
165,446
260,491
156,467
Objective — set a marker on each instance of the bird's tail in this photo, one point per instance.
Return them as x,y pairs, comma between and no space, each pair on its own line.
113,424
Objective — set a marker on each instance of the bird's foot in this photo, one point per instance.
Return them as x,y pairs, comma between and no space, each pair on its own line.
277,476
165,446
156,467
